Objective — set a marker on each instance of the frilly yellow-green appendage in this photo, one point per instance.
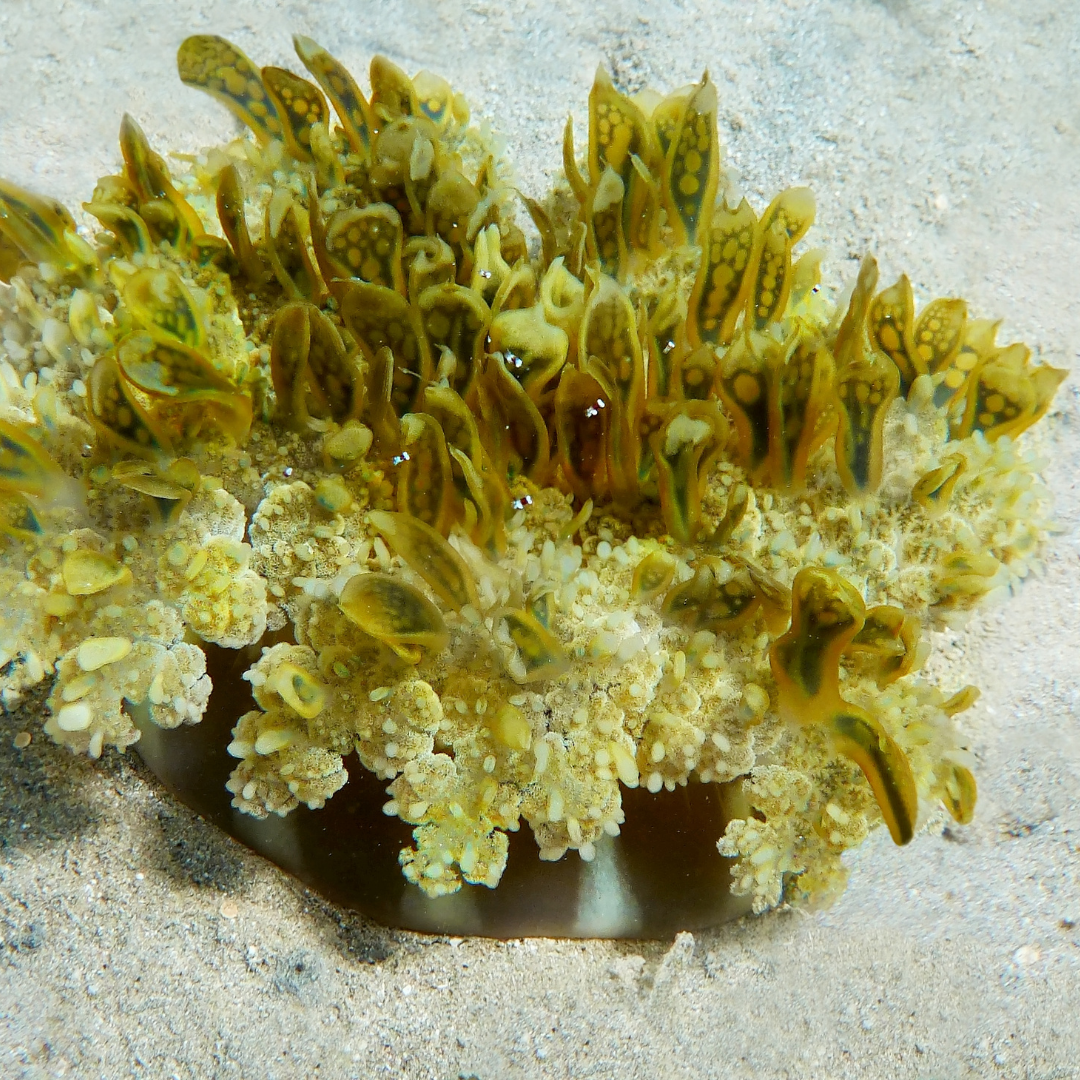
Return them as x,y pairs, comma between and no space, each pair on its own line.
519,521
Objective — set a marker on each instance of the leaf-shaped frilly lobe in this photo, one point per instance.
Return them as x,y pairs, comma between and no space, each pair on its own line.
778,393
582,422
782,226
429,555
182,397
211,63
168,215
934,489
625,202
456,321
458,425
663,345
290,249
36,229
489,268
653,575
725,594
714,599
981,385
743,386
537,655
827,613
365,243
425,481
87,573
610,351
722,282
605,242
563,297
427,261
938,337
960,790
164,307
961,794
396,614
312,372
684,449
692,165
380,318
866,383
515,435
1005,396
891,324
392,92
798,402
299,106
404,168
129,231
438,102
230,210
169,489
747,261
163,373
451,202
27,468
340,87
890,639
931,345
121,414
169,370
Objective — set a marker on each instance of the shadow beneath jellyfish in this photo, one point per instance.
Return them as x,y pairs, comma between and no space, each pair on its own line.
43,787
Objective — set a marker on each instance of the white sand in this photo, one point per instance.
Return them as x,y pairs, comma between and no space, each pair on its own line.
943,137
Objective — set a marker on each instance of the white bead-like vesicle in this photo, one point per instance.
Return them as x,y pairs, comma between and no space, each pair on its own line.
96,652
273,740
75,717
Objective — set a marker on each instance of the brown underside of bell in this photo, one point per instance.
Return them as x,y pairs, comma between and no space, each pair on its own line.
663,873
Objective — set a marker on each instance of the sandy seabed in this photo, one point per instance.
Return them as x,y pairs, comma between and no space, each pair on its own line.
943,137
